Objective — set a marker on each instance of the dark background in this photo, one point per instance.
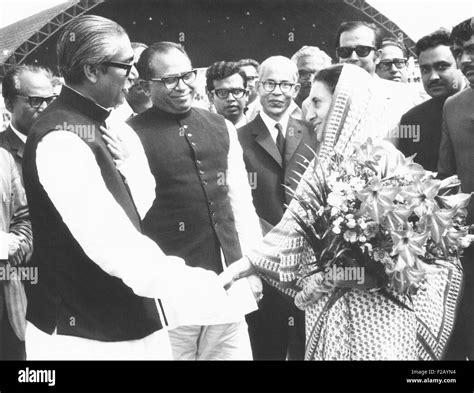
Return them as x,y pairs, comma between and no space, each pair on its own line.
225,29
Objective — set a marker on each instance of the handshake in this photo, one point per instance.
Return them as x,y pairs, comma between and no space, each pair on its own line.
240,269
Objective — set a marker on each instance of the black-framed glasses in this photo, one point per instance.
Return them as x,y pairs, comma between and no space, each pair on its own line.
459,51
126,66
270,85
251,78
361,51
171,82
304,74
36,102
224,93
386,65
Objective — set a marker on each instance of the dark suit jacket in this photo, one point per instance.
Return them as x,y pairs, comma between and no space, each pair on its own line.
264,164
428,116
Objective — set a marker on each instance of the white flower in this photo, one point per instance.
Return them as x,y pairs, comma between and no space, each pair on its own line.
350,236
336,230
335,199
465,241
362,239
351,223
334,211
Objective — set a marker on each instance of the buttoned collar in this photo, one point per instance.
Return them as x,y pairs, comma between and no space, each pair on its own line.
85,105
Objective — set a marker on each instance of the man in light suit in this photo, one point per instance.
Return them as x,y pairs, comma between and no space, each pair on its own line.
27,90
455,157
274,144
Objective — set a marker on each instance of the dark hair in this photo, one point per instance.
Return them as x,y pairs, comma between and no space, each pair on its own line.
221,70
393,42
438,37
144,64
11,86
330,76
85,39
462,32
248,62
353,25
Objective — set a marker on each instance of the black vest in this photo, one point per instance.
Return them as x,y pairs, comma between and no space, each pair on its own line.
191,216
73,293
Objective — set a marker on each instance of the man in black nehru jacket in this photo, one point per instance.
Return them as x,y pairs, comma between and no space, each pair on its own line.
203,210
98,275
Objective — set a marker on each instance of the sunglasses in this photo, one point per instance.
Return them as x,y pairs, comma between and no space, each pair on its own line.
386,65
36,102
171,82
224,93
117,64
361,51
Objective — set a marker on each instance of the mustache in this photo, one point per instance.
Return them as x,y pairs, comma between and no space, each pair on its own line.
435,84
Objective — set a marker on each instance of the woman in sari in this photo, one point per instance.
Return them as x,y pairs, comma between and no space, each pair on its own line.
362,324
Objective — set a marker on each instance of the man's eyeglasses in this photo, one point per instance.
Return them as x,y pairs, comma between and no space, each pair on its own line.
117,64
36,102
251,78
224,93
361,51
306,74
171,82
386,65
468,50
270,85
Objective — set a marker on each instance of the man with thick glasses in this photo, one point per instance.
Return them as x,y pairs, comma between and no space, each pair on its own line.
392,61
203,208
455,157
275,145
357,42
226,87
27,91
98,275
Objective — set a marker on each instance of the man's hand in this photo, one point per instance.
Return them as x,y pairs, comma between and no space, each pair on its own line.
256,286
241,268
117,147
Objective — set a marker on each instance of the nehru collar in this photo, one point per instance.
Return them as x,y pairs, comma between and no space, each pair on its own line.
83,104
168,115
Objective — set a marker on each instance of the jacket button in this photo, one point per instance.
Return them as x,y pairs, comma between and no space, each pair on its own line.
198,162
190,135
201,172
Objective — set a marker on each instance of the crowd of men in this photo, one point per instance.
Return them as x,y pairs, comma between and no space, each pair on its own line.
155,197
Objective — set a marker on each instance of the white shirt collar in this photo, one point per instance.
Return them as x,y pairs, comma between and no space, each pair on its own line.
242,122
18,133
270,123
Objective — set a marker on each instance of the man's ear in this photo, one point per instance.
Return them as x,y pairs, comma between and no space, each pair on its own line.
91,72
377,56
210,96
9,105
296,89
145,85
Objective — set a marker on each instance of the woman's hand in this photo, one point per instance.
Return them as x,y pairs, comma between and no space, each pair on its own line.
117,147
241,268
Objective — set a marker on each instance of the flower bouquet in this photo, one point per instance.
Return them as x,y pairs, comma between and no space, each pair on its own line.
374,211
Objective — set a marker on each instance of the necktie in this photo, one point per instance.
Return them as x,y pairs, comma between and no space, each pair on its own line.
280,141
